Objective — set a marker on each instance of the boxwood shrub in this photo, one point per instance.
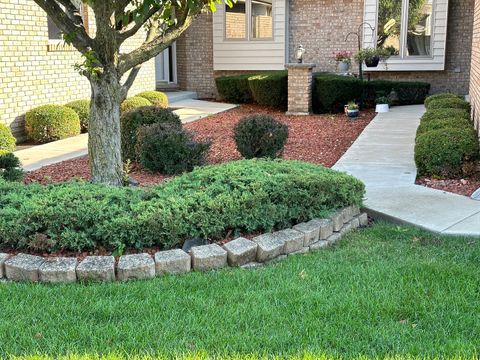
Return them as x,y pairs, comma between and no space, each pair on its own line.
270,89
445,114
443,152
157,98
331,92
234,89
131,121
133,103
51,122
247,195
82,108
7,140
441,96
451,123
408,92
449,103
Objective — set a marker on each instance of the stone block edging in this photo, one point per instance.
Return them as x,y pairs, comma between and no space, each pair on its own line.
309,236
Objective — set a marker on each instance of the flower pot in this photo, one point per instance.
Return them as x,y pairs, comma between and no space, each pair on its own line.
343,67
382,108
373,62
352,113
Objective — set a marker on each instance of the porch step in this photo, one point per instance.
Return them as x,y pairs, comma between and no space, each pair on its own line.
166,86
175,96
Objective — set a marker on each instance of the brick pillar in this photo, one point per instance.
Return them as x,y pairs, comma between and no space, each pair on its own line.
299,88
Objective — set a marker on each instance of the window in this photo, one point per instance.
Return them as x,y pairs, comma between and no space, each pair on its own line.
54,33
414,31
249,20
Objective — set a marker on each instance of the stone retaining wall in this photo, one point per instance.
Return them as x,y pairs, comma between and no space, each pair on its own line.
310,236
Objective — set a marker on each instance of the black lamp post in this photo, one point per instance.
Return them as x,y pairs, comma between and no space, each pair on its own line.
358,34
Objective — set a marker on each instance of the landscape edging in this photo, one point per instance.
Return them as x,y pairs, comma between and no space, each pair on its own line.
263,249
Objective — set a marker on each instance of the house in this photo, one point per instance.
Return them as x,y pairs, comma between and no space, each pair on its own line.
432,40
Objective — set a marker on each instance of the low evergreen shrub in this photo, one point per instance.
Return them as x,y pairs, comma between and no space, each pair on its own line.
437,124
209,202
82,108
157,98
441,96
234,89
51,122
445,114
133,103
270,89
408,92
131,121
7,140
259,136
449,103
10,167
332,92
168,149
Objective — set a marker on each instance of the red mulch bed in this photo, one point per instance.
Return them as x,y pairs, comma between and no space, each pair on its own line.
320,139
464,187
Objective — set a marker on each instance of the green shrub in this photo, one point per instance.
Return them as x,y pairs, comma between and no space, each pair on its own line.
331,92
10,167
157,98
270,89
441,96
234,89
7,140
131,121
133,103
168,149
443,152
445,114
259,136
51,122
408,92
449,103
211,201
437,124
82,108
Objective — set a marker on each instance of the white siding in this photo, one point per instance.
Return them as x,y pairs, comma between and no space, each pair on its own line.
253,54
436,62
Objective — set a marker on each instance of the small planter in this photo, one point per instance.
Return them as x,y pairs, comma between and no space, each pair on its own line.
352,113
372,62
382,108
343,67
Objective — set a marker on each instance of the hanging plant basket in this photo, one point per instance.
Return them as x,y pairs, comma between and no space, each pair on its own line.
372,62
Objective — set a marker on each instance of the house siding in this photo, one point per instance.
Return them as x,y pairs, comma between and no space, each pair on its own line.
475,69
31,76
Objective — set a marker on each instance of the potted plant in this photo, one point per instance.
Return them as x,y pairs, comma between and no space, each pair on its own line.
343,59
382,104
351,109
372,56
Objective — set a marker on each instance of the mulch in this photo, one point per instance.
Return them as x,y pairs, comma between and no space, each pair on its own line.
464,187
321,139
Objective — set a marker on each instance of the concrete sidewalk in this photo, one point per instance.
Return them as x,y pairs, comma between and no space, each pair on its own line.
187,109
382,157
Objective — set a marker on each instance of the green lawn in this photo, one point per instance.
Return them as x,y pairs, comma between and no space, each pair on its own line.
382,291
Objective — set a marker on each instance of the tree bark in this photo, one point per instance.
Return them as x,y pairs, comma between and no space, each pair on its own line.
104,140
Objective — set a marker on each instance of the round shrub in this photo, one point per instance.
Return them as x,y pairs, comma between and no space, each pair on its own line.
209,202
449,103
7,140
131,121
133,103
445,114
82,108
10,169
168,149
443,152
157,98
260,136
441,96
437,124
51,122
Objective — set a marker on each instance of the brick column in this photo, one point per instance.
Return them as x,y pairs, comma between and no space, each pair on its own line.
299,88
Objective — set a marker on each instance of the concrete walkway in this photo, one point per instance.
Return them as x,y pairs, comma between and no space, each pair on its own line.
382,157
183,103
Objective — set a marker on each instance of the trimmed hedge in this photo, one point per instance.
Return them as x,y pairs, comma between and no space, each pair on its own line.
82,108
441,96
7,140
270,89
248,195
51,122
133,103
449,103
437,124
445,114
157,98
234,89
409,92
331,92
443,152
131,121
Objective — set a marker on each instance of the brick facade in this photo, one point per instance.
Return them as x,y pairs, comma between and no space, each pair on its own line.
34,73
475,69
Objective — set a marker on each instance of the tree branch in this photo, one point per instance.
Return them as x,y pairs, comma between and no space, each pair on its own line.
124,35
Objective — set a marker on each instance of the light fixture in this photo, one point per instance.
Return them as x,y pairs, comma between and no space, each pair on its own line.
299,53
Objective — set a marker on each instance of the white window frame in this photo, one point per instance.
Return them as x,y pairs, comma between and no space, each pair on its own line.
402,62
248,30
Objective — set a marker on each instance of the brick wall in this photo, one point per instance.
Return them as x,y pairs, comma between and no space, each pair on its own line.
31,75
195,58
475,69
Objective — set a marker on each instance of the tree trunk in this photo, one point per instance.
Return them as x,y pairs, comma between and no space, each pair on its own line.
104,147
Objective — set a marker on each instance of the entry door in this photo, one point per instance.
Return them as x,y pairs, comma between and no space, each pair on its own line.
166,65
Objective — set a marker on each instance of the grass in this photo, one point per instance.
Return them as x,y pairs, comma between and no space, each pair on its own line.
382,292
